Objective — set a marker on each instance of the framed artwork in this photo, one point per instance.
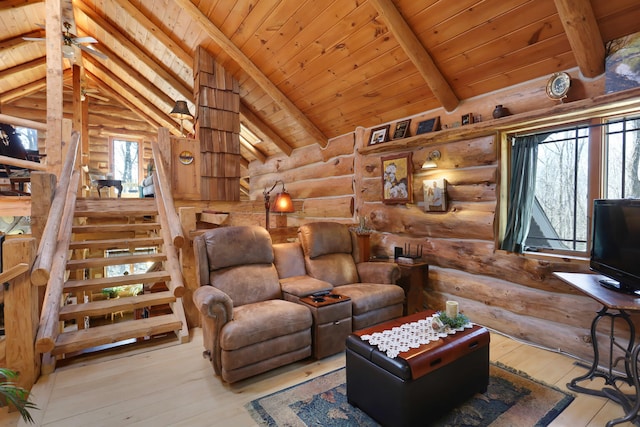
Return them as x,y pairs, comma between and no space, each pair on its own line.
379,135
402,129
435,195
396,179
430,125
621,71
467,119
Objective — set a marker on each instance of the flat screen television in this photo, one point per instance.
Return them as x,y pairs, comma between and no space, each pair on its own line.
615,246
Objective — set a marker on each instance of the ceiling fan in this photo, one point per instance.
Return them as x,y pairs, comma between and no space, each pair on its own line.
69,41
89,92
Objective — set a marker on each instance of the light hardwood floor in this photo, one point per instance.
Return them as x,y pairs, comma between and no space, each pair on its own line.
175,386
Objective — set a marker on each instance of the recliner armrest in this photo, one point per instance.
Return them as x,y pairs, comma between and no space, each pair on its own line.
378,272
214,303
216,310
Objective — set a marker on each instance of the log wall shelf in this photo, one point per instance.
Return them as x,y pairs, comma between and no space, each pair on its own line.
587,108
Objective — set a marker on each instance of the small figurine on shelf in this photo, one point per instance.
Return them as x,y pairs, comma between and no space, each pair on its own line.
362,227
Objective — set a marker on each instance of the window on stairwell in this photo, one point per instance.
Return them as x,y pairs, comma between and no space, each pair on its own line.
125,161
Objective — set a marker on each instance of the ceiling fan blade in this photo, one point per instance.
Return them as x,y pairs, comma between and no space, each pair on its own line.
84,40
93,51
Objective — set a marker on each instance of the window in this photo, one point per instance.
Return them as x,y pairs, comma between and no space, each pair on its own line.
622,139
29,138
566,179
126,166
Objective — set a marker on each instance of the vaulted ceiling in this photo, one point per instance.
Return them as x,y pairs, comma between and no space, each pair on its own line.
308,70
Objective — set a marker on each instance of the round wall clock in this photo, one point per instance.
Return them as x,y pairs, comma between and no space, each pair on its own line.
558,85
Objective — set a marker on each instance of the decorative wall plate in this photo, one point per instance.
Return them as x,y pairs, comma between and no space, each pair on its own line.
186,157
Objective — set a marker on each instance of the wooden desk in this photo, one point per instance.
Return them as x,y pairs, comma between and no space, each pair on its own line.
619,303
413,278
109,183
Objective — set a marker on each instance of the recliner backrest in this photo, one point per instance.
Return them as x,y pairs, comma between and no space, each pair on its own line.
239,261
328,250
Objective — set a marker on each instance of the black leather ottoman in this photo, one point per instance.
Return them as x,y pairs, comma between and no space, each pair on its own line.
419,385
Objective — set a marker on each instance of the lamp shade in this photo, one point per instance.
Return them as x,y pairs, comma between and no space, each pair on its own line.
282,203
181,111
429,164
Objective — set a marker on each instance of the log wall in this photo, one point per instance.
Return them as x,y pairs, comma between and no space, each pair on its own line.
515,294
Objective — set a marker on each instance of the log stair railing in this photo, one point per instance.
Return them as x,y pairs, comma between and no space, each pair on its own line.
71,261
115,224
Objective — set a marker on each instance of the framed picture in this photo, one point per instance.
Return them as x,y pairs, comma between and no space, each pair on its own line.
379,135
430,125
467,119
435,195
402,129
396,179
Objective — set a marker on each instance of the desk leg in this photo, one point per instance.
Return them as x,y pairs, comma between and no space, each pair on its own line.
119,188
631,404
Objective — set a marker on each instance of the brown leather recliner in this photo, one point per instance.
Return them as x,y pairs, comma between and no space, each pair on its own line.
329,250
247,327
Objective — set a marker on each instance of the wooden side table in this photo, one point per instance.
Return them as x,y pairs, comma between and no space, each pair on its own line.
331,323
413,278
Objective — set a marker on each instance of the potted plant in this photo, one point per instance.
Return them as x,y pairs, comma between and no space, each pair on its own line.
11,393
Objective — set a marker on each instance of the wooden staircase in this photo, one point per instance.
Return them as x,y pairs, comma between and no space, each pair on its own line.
130,228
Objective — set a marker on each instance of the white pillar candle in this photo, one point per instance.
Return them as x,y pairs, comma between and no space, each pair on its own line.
452,309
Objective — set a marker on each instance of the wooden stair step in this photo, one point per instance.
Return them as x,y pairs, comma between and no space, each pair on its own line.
110,282
69,342
133,243
116,214
100,308
114,228
77,264
120,208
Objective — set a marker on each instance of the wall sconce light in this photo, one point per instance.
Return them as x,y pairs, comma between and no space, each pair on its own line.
281,204
430,163
181,112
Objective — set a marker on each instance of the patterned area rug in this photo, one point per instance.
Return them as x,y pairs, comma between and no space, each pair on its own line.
512,399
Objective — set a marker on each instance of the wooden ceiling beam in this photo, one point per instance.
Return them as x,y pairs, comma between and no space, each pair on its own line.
18,41
14,4
26,90
261,126
253,150
27,66
253,71
142,107
142,81
417,54
154,64
157,32
580,26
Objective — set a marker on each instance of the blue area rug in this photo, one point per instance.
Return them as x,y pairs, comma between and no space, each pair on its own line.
512,399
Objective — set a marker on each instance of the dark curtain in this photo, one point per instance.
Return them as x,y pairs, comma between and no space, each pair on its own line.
524,157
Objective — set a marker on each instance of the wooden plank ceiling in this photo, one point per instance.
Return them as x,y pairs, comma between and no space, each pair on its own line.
308,70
